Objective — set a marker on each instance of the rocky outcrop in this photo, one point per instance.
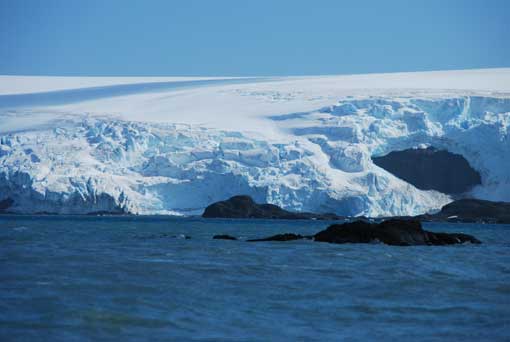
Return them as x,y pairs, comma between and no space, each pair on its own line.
390,232
431,169
224,237
282,237
245,207
472,210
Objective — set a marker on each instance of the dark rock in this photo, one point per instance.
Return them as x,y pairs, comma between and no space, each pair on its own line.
281,237
6,203
390,232
450,239
472,210
431,169
245,207
224,237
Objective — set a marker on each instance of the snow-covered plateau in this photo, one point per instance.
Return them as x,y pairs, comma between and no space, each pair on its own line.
175,145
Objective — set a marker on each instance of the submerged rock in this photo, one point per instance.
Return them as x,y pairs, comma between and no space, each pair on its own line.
245,207
281,237
162,236
390,232
224,237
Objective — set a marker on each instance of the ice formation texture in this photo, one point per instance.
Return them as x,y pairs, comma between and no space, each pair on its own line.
68,161
93,165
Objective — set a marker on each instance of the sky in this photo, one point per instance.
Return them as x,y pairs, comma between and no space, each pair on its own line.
250,38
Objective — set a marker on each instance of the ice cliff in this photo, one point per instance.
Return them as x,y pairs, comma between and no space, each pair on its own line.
320,161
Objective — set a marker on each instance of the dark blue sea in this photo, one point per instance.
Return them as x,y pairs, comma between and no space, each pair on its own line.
139,279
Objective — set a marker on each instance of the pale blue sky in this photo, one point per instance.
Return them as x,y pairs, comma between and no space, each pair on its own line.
211,38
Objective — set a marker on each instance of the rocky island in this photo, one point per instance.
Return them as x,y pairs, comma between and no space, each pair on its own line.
390,232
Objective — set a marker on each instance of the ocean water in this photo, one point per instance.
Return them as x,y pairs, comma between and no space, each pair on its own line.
139,279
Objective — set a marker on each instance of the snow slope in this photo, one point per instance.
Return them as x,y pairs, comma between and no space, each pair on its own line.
175,145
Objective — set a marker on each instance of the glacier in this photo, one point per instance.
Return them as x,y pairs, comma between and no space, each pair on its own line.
303,143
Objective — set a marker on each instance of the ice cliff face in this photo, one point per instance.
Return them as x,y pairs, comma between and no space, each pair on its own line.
321,161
